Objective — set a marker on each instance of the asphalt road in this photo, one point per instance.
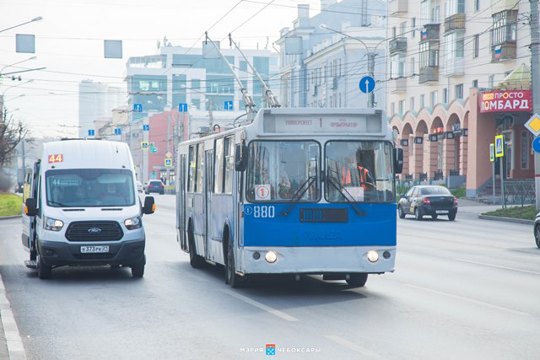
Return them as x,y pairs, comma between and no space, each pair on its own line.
467,289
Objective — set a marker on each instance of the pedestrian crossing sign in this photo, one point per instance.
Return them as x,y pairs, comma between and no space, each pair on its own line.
499,146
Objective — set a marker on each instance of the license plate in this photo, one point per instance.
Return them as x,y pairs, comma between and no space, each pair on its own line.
442,211
94,249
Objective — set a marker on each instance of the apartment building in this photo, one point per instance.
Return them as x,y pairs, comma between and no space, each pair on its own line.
459,74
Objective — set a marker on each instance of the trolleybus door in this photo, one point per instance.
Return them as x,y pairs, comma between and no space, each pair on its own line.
209,180
181,202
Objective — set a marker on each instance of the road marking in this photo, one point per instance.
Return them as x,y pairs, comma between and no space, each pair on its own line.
500,267
13,338
353,346
271,310
467,299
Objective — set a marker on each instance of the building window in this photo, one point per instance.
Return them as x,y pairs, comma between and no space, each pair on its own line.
445,95
402,28
475,83
397,68
459,91
413,66
392,109
413,26
455,7
411,104
476,5
429,55
476,45
195,84
491,81
434,99
525,149
504,27
422,100
394,32
401,107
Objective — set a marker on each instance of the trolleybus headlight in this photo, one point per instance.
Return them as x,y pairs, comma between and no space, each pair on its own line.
53,224
133,223
372,256
271,256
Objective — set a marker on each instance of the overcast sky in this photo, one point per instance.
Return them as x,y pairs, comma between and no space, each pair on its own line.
69,43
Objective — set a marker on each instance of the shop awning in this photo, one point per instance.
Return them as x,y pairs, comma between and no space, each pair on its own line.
519,79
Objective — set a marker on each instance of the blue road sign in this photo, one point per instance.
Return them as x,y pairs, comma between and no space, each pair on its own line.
117,131
366,84
228,105
146,127
536,144
91,132
182,107
137,107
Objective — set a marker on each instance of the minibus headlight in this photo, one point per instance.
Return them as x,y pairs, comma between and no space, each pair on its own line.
133,223
372,256
53,224
271,256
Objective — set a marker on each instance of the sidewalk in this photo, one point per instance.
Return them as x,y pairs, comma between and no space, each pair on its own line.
475,208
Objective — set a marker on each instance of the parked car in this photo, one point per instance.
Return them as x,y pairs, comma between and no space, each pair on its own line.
433,200
155,186
537,229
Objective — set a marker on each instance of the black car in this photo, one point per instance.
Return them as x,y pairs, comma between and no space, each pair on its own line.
155,186
537,229
433,200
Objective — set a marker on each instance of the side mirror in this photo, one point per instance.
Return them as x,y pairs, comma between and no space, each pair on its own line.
398,161
149,205
30,207
240,157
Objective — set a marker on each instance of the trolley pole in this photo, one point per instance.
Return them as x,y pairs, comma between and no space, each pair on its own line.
535,59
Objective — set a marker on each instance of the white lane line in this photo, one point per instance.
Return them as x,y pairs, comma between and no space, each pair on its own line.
271,310
499,267
353,346
13,338
470,300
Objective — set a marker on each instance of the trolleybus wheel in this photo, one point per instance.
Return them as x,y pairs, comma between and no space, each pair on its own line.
195,260
357,280
231,278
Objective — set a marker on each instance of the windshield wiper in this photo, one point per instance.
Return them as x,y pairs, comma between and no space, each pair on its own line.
299,193
343,192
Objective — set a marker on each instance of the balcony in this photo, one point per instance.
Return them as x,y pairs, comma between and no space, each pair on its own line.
454,22
428,74
397,6
455,66
503,52
431,32
398,85
398,44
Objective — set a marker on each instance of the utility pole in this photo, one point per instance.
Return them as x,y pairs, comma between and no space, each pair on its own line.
535,58
371,70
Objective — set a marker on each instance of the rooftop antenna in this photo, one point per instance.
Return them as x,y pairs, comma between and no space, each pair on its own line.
248,100
271,99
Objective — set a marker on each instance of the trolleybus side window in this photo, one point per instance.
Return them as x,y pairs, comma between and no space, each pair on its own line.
192,166
218,168
229,164
200,168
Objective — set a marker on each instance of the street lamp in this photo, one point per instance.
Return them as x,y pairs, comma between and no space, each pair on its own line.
16,63
371,58
24,23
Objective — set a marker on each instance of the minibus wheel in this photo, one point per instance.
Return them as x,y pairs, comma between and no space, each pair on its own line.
137,271
44,270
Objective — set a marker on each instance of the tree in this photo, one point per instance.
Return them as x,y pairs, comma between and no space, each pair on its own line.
11,134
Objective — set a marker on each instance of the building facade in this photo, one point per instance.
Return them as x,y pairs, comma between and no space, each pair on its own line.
458,76
324,57
199,82
96,100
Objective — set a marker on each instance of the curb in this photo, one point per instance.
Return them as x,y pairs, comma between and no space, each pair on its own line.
506,219
9,217
13,341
